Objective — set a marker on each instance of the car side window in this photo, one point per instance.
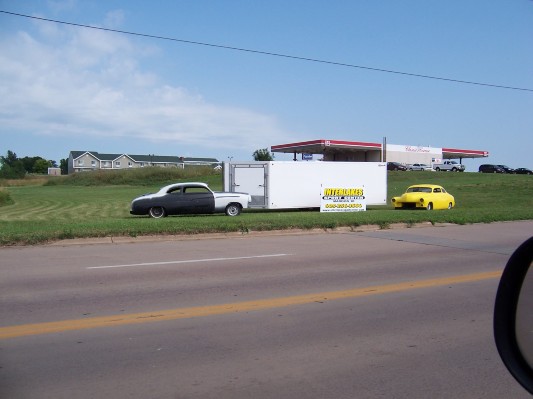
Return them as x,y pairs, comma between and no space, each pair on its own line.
436,190
175,191
195,190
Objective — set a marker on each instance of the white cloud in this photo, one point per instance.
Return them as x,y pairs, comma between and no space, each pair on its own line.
61,5
75,82
114,19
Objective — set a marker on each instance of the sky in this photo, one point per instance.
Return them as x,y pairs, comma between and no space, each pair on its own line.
66,87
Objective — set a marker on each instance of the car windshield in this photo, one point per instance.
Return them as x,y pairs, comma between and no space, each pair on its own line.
419,190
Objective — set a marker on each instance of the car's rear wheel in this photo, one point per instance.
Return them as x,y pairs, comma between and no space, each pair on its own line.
437,169
429,206
157,212
450,206
233,210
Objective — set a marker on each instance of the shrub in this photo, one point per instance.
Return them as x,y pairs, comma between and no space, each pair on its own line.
5,198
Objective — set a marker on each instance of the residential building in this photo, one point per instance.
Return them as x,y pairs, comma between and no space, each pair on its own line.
82,161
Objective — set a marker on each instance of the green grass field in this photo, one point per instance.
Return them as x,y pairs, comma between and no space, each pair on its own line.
97,205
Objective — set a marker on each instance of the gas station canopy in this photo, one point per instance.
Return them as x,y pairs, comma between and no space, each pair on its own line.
334,150
319,146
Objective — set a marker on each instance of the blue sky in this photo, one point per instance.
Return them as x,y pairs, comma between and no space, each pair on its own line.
66,88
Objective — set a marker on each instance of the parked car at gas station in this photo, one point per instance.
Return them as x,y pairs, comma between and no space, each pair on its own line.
452,166
506,168
488,168
395,166
419,166
523,171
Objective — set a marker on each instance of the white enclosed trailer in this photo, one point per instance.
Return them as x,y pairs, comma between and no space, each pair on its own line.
289,184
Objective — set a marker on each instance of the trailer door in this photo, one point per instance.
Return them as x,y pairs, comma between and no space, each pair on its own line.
251,179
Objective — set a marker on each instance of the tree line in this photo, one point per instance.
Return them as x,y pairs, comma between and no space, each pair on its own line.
13,167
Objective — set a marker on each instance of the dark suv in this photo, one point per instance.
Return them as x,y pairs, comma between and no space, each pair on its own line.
488,168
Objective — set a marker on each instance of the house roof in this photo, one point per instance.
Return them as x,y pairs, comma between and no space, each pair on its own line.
77,154
156,158
142,158
106,157
211,160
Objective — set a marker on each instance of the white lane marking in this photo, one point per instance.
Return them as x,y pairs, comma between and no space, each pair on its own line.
175,262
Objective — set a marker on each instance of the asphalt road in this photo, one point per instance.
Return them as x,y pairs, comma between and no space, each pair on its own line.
403,313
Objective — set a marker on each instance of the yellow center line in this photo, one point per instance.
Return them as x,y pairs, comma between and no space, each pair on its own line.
261,304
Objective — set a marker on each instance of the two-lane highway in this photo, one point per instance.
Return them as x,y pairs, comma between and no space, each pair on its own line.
387,313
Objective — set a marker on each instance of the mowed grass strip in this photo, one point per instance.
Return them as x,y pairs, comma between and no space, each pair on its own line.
89,207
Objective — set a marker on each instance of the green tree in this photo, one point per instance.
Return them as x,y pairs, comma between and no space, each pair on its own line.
263,155
12,167
29,163
41,166
10,159
63,164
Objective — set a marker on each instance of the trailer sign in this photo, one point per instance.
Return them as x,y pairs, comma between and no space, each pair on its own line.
341,199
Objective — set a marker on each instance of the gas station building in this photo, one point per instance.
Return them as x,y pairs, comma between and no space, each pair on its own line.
357,151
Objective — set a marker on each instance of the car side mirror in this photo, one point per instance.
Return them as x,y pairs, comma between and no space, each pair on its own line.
513,315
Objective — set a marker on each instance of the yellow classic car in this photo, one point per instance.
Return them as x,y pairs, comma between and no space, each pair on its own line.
424,196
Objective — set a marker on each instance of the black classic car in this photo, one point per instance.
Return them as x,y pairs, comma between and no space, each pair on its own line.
189,198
